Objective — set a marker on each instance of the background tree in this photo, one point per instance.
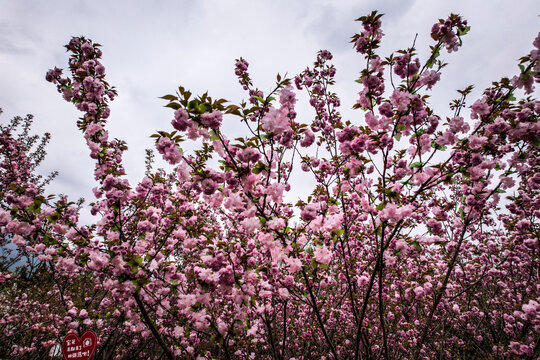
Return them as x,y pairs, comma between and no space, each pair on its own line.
407,247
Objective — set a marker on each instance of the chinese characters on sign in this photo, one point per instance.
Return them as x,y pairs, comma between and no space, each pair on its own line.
81,348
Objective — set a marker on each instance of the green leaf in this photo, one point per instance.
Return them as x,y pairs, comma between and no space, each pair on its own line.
416,245
435,54
416,164
49,240
259,98
258,168
202,108
463,30
500,191
173,105
418,133
437,146
213,135
141,282
35,207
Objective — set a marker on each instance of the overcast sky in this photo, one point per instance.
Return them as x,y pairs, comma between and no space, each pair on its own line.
152,47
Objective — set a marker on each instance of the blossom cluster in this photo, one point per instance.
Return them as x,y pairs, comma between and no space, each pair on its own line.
418,241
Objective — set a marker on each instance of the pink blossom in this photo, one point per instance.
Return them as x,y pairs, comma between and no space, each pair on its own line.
18,240
275,191
393,214
249,155
322,255
480,108
400,100
181,120
209,186
39,247
447,138
333,222
212,120
531,309
276,224
363,280
401,245
371,121
309,212
287,97
294,265
457,124
429,78
183,171
251,224
169,150
97,260
67,264
308,139
283,292
275,121
316,224
476,142
18,227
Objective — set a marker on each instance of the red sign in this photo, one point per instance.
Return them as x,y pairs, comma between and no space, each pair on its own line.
81,348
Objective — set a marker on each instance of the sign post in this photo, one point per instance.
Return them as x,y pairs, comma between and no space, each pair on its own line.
81,348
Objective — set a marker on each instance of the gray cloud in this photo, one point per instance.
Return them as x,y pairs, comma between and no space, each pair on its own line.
152,47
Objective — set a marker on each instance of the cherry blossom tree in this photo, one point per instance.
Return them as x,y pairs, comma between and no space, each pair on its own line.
420,239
